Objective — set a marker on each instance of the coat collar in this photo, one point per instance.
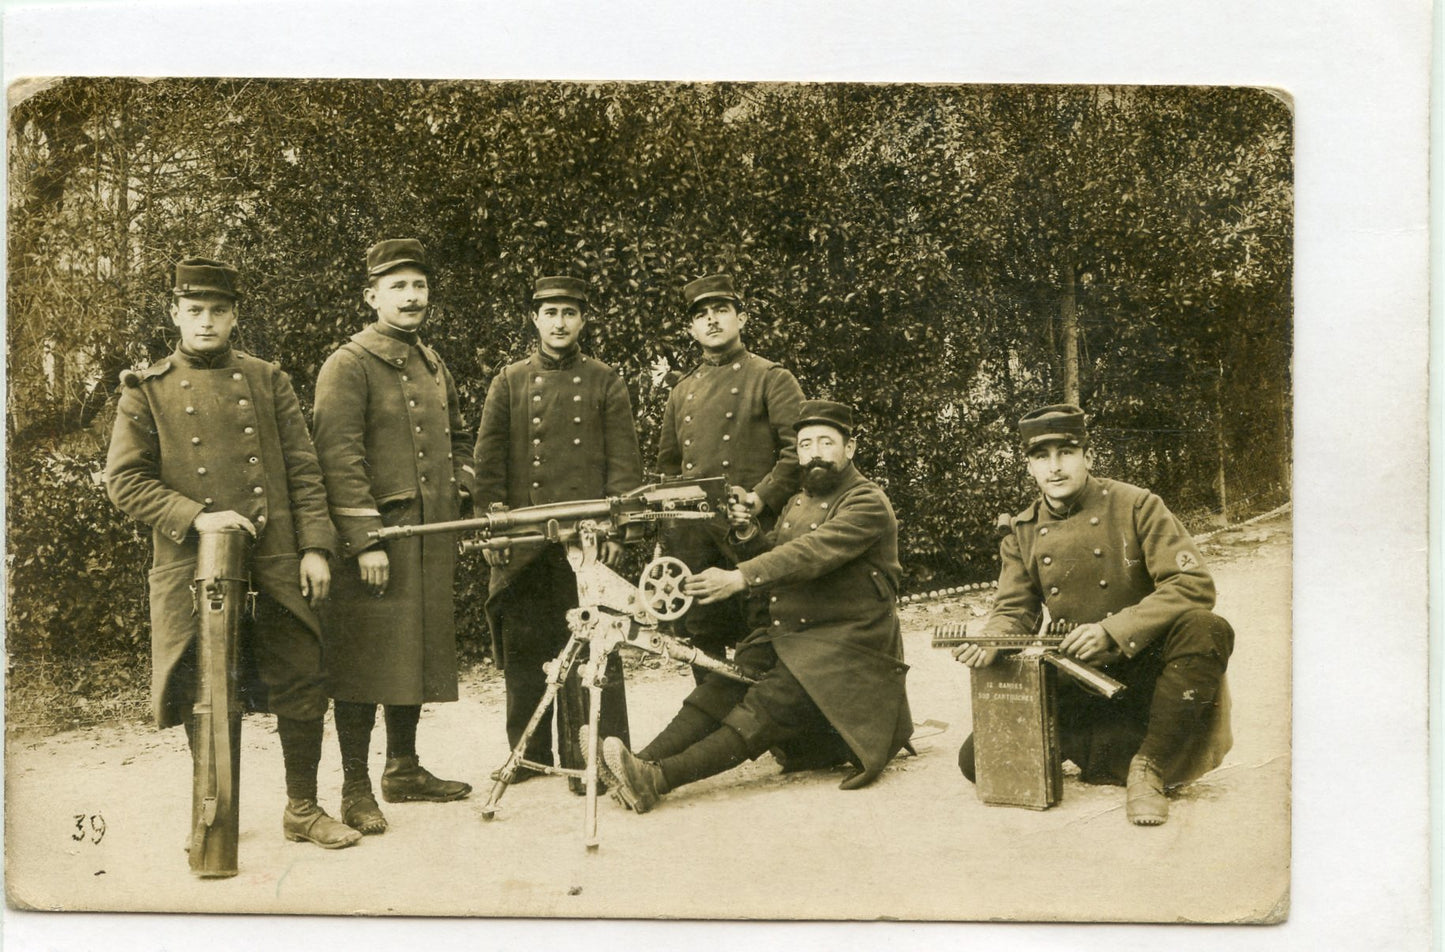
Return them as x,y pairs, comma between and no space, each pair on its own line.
389,349
565,362
737,353
1089,496
184,358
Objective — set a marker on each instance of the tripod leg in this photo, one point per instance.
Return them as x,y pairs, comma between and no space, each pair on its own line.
557,673
596,665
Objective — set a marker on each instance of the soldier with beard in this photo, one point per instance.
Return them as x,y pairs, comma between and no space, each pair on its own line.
829,662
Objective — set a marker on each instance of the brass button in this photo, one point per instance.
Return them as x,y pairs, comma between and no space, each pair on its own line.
244,402
725,464
689,466
687,419
1048,560
1098,552
1103,583
195,441
687,442
185,385
776,623
201,470
421,454
209,500
576,419
249,430
1044,531
822,505
260,520
418,429
536,398
729,414
405,377
576,379
577,398
1093,520
536,485
577,441
257,490
411,403
737,366
773,598
735,389
812,525
1053,590
236,375
537,379
423,478
536,441
726,437
787,525
255,460
190,409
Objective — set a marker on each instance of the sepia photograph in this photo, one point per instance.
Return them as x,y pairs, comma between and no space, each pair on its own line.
779,386
626,499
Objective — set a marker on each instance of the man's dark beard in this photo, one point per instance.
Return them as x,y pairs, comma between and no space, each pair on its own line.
820,478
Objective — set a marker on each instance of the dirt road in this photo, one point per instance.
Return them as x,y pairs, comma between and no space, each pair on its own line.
753,843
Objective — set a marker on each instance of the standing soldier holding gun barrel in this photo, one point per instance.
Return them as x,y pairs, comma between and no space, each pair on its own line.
1112,560
394,451
556,426
210,442
732,416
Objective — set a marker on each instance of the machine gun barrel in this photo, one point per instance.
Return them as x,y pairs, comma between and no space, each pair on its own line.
641,504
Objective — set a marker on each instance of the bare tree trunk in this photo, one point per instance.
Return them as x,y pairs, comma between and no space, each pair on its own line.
1221,444
1069,325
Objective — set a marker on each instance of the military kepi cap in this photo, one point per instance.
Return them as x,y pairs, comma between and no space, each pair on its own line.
559,286
392,253
837,415
1061,423
206,276
708,288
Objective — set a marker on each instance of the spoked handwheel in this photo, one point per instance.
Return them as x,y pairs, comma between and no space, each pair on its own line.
661,587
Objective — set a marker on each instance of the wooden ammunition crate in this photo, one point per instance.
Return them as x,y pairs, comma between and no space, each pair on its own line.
1016,733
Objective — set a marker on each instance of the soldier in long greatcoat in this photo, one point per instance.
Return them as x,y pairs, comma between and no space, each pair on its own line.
394,451
211,438
830,658
732,416
1111,560
556,426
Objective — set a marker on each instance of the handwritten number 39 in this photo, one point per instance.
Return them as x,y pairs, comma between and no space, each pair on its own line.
96,831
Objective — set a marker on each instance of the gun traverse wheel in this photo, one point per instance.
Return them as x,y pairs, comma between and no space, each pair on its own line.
661,588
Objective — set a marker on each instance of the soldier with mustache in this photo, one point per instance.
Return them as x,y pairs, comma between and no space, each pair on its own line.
394,450
732,416
828,663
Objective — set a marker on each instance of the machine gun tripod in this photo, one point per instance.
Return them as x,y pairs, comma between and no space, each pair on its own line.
611,612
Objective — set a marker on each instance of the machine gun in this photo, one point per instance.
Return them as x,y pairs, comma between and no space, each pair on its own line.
1045,644
612,611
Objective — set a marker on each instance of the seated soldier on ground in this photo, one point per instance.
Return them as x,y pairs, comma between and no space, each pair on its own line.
1113,561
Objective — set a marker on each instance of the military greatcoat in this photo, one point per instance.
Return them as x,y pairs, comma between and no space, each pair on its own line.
734,418
394,450
212,434
831,578
1120,558
552,431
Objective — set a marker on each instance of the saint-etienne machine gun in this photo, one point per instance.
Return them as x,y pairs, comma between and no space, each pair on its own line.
1017,757
612,611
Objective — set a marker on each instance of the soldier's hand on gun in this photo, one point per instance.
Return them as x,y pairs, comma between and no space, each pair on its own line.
216,521
497,558
714,585
375,570
315,577
610,552
975,656
1091,644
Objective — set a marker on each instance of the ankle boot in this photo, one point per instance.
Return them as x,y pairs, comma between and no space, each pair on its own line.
406,779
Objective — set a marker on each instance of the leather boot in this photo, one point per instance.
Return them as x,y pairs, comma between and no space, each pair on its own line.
406,779
1146,805
359,809
639,783
305,821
